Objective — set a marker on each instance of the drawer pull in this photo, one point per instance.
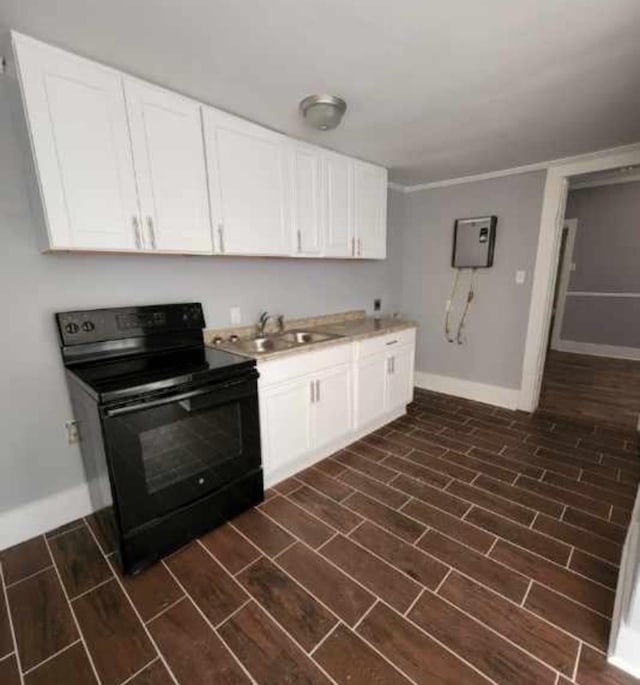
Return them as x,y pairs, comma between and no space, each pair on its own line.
392,342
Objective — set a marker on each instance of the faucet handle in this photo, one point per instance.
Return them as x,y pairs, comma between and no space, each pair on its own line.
280,320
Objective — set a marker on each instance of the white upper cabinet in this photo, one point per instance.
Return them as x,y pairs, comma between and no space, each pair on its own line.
248,177
370,186
77,122
339,236
307,190
126,165
168,153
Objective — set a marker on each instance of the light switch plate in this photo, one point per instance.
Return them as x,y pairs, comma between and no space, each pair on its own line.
236,316
520,276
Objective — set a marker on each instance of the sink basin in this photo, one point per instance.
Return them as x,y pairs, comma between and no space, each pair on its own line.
263,344
306,337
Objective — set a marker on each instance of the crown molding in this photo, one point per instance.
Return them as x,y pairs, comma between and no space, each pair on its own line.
525,169
631,178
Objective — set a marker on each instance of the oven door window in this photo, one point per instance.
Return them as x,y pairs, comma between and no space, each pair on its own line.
172,452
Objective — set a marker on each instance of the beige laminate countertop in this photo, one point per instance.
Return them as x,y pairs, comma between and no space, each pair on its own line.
346,329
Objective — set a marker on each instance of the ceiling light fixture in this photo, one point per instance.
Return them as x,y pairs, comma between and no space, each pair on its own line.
323,111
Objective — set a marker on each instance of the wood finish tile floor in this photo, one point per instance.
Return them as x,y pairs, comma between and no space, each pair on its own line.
593,388
461,544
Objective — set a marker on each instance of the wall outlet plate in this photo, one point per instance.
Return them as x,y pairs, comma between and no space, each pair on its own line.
236,316
73,433
377,305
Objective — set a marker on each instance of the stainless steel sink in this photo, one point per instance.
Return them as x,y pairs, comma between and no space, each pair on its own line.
306,337
264,344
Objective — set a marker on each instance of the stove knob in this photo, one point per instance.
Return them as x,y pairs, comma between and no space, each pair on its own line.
72,328
88,326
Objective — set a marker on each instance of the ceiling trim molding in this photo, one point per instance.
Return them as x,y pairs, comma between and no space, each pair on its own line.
631,178
397,186
525,169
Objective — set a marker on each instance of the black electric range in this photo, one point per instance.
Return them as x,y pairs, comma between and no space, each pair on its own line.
169,429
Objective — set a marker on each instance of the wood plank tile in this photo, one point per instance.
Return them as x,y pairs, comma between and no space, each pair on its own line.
65,528
594,568
376,575
262,531
564,496
451,526
488,652
499,472
215,592
561,579
330,467
114,636
193,651
407,558
6,640
421,473
416,443
578,537
384,516
151,591
343,596
414,652
102,525
507,582
230,548
9,673
538,637
364,465
534,465
305,619
325,484
520,496
433,496
284,487
24,559
269,655
448,467
595,524
574,618
41,618
588,490
386,445
492,502
332,513
156,674
389,496
369,451
70,667
544,545
593,669
297,521
79,561
350,661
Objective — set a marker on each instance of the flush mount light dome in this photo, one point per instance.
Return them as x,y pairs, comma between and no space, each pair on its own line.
323,111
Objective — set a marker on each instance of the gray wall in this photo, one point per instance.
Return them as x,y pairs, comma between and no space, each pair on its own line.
34,457
606,256
497,323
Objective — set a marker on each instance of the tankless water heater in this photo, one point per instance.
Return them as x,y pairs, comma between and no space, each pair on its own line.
473,242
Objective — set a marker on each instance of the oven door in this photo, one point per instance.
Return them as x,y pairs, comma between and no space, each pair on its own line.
166,452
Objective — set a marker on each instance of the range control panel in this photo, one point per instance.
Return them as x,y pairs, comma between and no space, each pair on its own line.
97,325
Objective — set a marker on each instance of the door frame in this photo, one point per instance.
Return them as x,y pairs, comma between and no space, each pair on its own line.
564,274
546,266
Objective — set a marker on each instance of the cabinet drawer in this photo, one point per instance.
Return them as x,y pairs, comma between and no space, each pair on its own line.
385,343
303,363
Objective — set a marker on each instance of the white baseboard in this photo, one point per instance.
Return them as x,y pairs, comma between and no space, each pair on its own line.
470,390
35,518
595,350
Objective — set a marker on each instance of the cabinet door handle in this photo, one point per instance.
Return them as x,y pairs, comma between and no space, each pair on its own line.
392,342
393,364
152,233
317,391
299,241
353,247
359,250
313,395
221,236
136,231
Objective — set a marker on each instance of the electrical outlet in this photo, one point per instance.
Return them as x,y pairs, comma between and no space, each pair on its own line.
521,277
73,434
236,316
377,304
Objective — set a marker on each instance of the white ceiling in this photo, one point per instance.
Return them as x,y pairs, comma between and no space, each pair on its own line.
435,89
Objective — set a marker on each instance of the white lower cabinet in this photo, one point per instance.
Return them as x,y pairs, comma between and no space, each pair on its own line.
315,403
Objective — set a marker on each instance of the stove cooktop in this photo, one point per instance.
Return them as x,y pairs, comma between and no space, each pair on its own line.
123,378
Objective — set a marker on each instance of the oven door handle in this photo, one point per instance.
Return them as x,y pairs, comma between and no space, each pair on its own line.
127,408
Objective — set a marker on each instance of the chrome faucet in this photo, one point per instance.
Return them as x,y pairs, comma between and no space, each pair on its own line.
263,320
280,320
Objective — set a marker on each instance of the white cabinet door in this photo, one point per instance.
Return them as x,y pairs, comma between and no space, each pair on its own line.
371,388
306,199
78,127
248,183
285,418
168,150
332,406
339,214
399,377
370,211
